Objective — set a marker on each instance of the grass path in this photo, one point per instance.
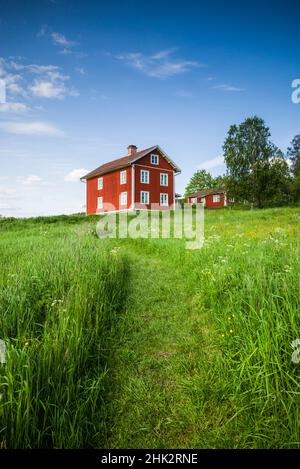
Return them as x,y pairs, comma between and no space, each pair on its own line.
161,359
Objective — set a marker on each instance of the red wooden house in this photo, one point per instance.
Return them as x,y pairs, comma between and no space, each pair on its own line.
140,180
211,198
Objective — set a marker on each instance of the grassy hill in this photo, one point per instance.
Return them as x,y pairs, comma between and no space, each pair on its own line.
142,343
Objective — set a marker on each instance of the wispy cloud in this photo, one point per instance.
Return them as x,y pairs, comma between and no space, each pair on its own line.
31,180
51,89
43,81
13,107
59,39
80,70
212,163
30,128
226,87
159,65
75,175
8,198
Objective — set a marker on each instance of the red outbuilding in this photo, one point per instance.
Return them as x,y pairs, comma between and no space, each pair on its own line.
211,198
140,180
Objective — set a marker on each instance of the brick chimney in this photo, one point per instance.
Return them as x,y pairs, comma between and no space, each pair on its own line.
131,149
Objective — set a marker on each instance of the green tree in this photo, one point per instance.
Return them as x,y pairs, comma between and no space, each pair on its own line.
200,180
296,187
293,153
254,163
278,182
220,181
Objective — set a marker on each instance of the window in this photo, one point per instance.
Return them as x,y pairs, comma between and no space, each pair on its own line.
154,159
123,198
144,197
164,199
123,177
163,179
216,198
100,202
100,184
193,200
144,176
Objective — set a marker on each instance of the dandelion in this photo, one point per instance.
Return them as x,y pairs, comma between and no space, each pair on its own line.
26,344
222,335
231,331
55,302
115,250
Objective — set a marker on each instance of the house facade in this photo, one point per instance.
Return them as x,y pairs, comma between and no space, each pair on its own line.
140,180
211,198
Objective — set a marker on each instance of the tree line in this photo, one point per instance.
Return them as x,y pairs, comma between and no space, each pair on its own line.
257,171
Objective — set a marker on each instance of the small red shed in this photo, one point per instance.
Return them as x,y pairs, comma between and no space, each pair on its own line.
140,180
211,198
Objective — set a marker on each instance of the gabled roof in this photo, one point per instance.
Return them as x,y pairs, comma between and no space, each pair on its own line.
208,192
127,161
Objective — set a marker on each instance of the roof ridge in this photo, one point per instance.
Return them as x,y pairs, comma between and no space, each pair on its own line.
113,164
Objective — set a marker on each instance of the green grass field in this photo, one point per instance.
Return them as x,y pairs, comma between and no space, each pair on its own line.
144,344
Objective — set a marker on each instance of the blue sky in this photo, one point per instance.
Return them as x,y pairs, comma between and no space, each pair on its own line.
84,79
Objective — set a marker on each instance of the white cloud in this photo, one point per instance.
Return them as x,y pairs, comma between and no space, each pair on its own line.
30,128
75,175
42,81
47,89
12,83
61,40
226,87
53,86
158,65
31,180
81,70
13,107
39,69
213,163
7,199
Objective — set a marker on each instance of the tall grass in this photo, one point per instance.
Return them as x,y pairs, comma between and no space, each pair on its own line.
248,286
202,357
59,304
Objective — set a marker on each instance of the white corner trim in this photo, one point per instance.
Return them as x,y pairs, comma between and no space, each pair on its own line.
132,186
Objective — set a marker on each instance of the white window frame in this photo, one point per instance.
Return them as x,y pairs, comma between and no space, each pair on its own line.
216,198
145,171
123,198
203,200
193,200
165,203
100,202
164,176
123,177
147,197
100,184
154,159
